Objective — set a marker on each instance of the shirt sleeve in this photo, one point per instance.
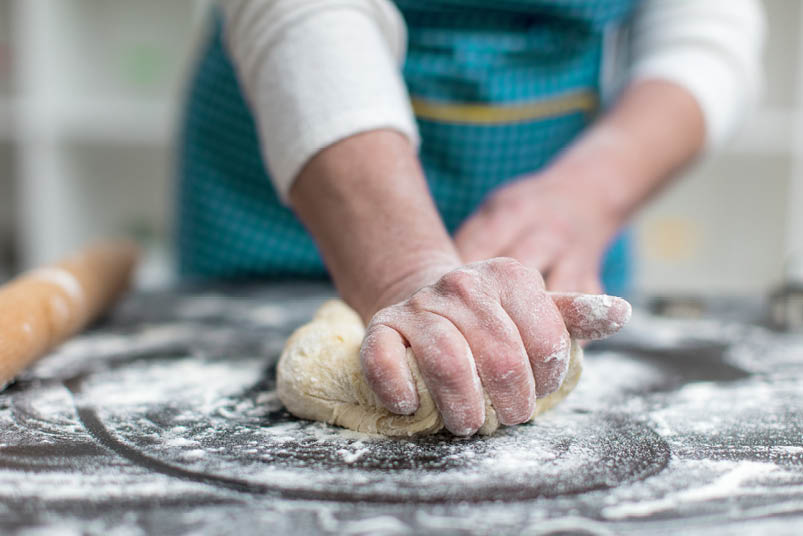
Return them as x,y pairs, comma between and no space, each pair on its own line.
318,71
712,48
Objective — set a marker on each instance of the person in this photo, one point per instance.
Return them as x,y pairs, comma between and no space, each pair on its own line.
450,164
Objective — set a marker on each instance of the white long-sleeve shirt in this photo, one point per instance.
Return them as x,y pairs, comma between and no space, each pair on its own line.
318,71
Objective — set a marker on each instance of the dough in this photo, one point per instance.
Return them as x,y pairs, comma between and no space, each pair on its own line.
319,378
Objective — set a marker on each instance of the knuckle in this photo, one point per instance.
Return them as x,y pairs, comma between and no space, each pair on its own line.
508,268
423,300
465,284
516,275
384,318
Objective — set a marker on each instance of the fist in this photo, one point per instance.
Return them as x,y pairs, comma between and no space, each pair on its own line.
490,325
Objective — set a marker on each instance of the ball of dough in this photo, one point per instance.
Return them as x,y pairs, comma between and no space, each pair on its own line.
319,378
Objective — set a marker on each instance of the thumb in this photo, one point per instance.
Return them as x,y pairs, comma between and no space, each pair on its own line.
592,316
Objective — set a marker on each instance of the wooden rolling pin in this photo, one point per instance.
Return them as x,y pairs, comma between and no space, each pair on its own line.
45,306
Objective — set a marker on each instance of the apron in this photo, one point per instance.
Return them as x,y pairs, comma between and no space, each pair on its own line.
498,89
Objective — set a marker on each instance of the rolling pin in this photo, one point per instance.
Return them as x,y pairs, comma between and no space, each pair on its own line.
43,307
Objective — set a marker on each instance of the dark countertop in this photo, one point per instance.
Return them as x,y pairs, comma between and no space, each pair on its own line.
164,420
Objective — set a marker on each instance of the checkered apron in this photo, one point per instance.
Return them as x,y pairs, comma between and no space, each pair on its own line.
498,88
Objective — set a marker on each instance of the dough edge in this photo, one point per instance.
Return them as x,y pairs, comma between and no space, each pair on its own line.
319,378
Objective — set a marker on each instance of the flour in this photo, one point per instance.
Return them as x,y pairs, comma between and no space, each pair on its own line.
735,480
351,456
640,446
180,441
203,386
267,315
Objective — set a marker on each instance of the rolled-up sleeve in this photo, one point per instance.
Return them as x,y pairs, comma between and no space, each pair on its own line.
317,71
712,48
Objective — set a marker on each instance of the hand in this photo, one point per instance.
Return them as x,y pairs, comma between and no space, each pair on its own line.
561,221
488,324
547,224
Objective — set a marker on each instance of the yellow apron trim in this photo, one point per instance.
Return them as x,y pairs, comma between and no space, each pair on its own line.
488,114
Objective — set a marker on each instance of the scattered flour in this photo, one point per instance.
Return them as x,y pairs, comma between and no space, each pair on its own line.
624,449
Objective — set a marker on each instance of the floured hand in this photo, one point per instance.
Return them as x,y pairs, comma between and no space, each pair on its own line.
491,325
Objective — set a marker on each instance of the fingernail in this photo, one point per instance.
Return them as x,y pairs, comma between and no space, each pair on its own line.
405,407
624,311
408,403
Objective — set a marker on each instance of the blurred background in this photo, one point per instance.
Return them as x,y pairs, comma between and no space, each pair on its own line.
90,97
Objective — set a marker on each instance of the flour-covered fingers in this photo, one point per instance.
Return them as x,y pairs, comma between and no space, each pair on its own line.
592,316
446,365
539,323
472,304
489,324
383,357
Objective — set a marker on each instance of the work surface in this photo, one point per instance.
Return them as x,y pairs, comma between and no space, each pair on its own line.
164,420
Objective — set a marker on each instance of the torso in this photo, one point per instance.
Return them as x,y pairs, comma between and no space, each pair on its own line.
498,90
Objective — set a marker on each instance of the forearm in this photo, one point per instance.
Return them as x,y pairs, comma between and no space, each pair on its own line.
366,203
654,130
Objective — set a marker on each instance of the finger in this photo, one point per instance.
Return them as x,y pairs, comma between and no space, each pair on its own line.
484,235
541,328
535,250
383,356
447,367
592,316
495,343
502,363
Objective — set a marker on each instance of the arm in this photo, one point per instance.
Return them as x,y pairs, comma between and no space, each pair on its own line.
366,202
488,324
317,71
691,79
360,191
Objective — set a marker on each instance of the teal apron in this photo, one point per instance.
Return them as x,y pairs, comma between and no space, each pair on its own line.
499,88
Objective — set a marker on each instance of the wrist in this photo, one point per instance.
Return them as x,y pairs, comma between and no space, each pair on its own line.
654,130
365,201
402,276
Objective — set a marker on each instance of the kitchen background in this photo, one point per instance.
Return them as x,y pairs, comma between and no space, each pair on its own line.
90,94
